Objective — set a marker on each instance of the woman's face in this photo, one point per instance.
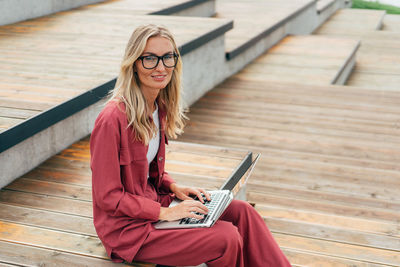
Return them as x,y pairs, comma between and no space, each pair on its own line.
153,80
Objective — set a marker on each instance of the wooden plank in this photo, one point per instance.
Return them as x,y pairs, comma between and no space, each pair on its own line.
316,143
365,131
312,190
17,113
50,239
327,219
391,23
341,250
196,148
330,124
284,108
23,255
335,234
68,176
51,189
46,219
6,122
47,202
303,258
333,208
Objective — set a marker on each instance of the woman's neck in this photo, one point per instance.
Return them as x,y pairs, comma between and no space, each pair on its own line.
151,99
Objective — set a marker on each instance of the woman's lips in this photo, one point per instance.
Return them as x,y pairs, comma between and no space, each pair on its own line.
159,78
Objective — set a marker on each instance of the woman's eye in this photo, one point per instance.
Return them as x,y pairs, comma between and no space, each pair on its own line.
150,58
169,56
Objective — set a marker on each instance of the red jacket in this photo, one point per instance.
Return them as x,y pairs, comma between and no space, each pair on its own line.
125,204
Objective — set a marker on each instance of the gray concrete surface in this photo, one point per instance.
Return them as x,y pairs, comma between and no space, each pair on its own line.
31,152
12,11
203,69
205,9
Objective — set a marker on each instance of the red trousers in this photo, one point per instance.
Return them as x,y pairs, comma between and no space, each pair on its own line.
239,238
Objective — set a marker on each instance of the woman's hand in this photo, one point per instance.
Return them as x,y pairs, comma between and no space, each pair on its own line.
188,207
185,209
183,192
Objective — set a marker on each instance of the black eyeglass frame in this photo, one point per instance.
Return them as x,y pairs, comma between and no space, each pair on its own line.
158,60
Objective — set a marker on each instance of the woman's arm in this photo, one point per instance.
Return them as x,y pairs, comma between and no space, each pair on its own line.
108,191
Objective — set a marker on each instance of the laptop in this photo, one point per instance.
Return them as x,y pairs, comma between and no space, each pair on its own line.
220,200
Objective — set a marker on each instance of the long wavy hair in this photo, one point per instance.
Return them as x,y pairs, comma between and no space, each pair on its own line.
127,88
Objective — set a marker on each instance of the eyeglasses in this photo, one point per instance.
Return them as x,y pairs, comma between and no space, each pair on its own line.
151,61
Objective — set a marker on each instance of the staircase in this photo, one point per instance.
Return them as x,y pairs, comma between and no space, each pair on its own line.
310,85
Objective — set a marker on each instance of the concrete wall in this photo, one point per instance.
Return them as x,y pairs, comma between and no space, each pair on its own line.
12,11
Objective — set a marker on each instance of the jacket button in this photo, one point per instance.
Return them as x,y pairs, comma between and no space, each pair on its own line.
160,158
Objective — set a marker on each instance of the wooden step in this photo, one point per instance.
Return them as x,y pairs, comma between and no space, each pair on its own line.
328,165
25,255
268,15
352,22
48,91
25,69
47,213
306,60
391,23
377,57
377,61
339,250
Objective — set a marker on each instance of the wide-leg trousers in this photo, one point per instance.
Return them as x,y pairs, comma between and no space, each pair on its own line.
239,238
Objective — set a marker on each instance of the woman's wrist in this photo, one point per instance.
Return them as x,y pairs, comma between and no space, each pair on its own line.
163,212
172,187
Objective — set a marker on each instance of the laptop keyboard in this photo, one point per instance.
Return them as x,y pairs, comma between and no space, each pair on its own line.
211,205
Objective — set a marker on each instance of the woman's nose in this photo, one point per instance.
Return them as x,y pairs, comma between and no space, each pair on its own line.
160,66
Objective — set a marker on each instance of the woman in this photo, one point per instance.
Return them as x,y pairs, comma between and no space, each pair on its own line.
131,190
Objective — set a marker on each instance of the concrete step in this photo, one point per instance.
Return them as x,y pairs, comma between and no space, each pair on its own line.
326,8
13,12
197,8
377,65
353,22
259,25
48,91
306,60
391,23
378,56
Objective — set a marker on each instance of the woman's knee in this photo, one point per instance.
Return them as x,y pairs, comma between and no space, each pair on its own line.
240,205
228,235
236,209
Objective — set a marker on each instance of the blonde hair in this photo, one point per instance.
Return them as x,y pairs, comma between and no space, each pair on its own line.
127,88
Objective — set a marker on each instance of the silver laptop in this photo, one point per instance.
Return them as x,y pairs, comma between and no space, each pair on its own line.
220,200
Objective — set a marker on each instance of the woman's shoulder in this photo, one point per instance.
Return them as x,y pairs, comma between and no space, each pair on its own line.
112,113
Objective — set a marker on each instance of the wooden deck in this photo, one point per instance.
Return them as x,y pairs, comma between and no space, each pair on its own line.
306,59
328,180
377,62
391,23
49,60
46,215
352,22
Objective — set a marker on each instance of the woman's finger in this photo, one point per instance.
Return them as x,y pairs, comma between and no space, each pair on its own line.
205,193
185,197
197,193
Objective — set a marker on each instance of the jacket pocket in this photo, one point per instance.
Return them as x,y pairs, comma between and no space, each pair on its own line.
127,156
124,157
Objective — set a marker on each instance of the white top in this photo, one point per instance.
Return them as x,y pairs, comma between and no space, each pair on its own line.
155,141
